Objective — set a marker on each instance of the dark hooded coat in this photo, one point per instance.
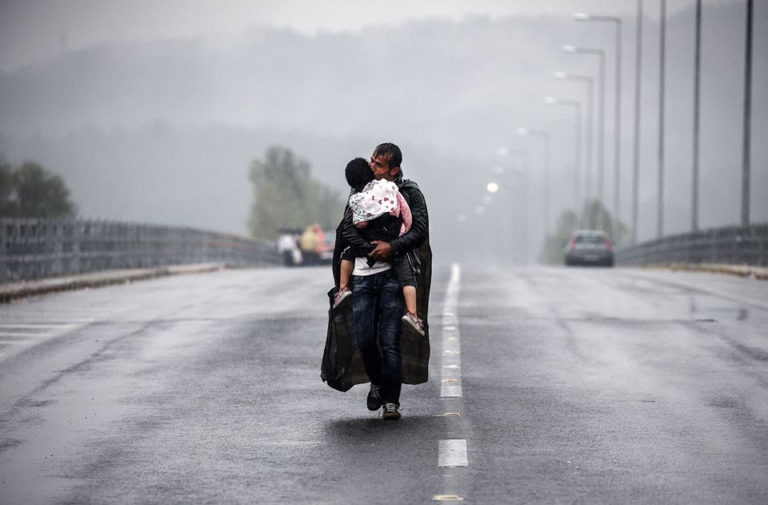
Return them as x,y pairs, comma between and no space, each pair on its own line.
342,366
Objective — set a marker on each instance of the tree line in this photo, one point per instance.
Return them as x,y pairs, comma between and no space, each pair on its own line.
29,190
286,196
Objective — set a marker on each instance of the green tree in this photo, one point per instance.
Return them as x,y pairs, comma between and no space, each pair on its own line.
7,205
32,191
594,217
41,194
554,244
287,197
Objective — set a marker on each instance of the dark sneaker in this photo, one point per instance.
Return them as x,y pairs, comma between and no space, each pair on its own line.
340,296
391,412
414,321
374,400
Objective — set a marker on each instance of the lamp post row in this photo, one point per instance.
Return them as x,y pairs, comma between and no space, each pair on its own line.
576,104
747,112
588,157
600,114
547,180
695,180
617,106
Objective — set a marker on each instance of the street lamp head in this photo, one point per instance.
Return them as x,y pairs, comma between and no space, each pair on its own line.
492,187
502,151
569,48
522,131
560,75
550,100
580,16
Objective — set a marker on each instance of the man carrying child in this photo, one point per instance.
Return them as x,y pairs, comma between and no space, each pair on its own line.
377,293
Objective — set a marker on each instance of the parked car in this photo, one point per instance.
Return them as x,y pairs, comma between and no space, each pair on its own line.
589,247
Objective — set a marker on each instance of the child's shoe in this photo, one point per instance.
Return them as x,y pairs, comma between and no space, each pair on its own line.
414,321
341,295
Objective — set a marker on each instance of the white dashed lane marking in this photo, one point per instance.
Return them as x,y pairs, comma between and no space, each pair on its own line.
450,372
452,453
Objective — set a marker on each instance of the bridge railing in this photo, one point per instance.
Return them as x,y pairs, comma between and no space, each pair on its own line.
38,248
734,245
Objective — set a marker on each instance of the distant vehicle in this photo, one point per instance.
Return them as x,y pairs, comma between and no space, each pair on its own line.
589,247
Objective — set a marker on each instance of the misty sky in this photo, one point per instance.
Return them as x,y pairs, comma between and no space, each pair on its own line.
152,111
35,30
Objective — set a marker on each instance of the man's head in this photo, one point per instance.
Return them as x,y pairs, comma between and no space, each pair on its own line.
385,161
358,173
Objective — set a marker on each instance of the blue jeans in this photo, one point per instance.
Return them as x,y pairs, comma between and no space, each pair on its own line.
379,298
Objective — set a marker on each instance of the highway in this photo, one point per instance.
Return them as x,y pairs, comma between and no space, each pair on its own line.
549,385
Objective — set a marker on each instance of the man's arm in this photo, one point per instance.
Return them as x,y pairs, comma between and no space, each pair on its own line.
420,227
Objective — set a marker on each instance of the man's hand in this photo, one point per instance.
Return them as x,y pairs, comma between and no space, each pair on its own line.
382,251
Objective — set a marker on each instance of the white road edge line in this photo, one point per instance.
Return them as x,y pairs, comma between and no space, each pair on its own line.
46,330
34,326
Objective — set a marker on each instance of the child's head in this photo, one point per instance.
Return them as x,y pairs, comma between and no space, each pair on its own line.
358,173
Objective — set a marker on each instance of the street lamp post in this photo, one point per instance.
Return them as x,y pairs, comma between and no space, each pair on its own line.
492,188
543,135
523,200
696,121
576,104
588,161
636,141
662,68
747,129
617,111
601,113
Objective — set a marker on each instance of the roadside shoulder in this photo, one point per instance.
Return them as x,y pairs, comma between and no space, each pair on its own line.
15,290
756,272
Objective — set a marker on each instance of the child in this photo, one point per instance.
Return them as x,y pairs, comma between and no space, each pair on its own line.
371,202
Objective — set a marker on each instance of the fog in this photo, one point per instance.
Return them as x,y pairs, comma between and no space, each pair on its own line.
160,126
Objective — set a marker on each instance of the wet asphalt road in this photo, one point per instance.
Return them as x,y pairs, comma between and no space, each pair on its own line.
578,386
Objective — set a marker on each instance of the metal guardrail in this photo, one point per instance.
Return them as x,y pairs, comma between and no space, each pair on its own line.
733,245
38,248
